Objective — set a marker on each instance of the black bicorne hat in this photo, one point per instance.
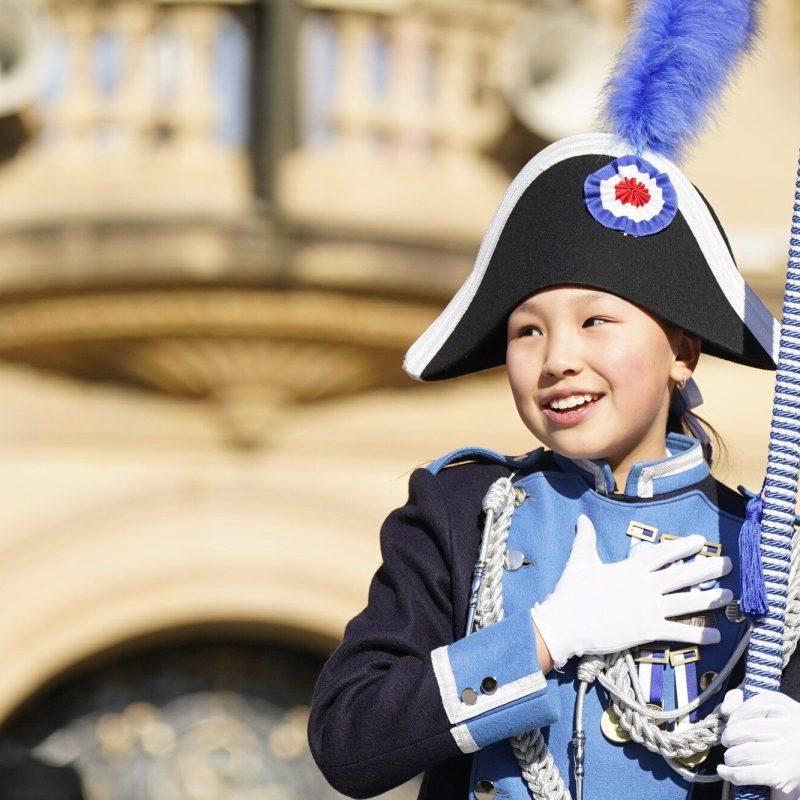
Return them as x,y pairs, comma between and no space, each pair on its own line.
586,212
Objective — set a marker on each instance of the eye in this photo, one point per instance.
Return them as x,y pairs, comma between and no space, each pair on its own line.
594,322
529,330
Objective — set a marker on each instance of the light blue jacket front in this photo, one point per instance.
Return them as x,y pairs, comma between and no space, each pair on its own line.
669,495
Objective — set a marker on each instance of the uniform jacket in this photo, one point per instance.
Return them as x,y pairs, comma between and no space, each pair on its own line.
388,704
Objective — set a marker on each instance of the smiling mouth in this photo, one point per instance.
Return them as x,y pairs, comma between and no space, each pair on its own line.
573,401
572,409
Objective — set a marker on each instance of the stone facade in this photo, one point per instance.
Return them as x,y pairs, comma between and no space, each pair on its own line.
220,227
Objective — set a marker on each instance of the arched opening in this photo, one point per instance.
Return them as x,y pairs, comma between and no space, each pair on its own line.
201,713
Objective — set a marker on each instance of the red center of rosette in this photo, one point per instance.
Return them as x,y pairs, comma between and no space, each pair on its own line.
629,191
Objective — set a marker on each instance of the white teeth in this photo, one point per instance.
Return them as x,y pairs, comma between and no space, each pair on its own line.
563,403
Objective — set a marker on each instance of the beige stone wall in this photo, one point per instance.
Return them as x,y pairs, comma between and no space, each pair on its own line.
125,515
136,508
753,144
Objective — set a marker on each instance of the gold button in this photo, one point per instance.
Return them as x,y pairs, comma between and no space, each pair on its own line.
694,759
489,685
469,696
612,728
520,495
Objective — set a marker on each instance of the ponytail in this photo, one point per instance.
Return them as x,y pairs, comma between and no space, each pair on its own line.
690,424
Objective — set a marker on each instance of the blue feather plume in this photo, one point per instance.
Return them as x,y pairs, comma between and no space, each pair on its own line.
673,69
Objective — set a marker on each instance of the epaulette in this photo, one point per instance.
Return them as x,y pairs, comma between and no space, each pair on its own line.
482,454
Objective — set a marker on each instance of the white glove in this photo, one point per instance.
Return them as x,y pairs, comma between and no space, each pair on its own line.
763,741
602,608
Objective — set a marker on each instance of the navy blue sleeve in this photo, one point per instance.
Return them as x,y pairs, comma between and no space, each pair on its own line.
389,703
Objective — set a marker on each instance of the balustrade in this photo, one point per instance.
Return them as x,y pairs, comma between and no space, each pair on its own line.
400,102
147,111
144,108
415,80
159,70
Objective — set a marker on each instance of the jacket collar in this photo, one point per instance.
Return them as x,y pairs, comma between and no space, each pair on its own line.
684,466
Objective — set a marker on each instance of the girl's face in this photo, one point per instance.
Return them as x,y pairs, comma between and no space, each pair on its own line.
592,374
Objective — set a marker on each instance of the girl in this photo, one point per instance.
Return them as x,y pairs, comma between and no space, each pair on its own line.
587,665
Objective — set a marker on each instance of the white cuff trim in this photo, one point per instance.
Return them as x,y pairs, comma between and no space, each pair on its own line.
458,711
464,739
447,682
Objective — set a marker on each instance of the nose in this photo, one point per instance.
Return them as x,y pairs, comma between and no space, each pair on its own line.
562,355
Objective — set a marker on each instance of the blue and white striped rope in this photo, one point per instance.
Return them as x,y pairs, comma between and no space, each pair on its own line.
765,653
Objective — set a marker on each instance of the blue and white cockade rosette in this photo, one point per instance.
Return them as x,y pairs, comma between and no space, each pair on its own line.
632,196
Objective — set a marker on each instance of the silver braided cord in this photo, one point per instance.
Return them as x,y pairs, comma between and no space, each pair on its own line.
616,672
644,729
538,766
499,501
535,760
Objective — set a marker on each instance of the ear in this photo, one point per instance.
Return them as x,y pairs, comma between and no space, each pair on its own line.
686,349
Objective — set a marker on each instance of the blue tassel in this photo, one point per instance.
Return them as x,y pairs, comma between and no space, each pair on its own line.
754,593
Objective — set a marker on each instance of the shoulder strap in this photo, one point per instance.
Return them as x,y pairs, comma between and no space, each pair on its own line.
485,455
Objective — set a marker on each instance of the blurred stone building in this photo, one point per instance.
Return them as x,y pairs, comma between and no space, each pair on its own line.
221,224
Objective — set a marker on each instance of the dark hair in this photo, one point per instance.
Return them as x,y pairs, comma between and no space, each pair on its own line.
678,422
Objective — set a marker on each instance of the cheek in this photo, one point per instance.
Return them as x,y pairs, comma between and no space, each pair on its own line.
646,367
522,373
640,347
621,362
